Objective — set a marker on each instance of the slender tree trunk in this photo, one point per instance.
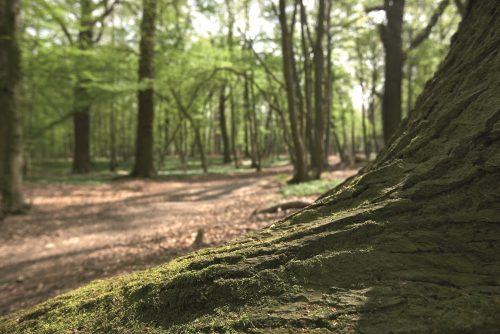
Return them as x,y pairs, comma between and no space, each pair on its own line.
371,106
249,138
300,166
285,128
234,132
247,141
329,81
366,142
305,41
254,131
319,108
226,150
391,35
201,150
270,137
343,123
144,149
11,136
113,160
353,136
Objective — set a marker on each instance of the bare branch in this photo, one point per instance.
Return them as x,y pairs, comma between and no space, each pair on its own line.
424,34
57,19
374,9
50,126
262,62
108,9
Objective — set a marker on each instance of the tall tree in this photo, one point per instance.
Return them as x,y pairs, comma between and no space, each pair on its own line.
226,150
11,145
391,35
291,86
319,101
90,31
392,41
144,153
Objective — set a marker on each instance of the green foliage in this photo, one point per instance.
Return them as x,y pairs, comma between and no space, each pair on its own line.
310,188
186,58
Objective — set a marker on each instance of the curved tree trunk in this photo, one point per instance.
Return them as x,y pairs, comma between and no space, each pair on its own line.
408,245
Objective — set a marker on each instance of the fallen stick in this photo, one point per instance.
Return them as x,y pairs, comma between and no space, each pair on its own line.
295,205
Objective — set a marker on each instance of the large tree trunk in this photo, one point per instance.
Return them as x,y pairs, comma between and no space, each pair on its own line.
144,153
81,97
81,130
409,245
11,148
391,35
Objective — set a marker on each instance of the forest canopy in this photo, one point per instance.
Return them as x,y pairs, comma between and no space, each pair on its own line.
208,53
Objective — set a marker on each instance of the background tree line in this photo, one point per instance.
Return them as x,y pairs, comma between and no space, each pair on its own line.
141,83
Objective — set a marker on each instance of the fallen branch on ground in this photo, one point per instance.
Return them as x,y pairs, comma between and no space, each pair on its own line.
293,205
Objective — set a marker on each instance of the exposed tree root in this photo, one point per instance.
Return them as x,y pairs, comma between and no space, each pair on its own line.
292,205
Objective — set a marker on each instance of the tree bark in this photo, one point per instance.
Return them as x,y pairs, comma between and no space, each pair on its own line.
11,144
300,162
318,149
81,97
391,35
234,132
226,150
410,244
254,131
144,152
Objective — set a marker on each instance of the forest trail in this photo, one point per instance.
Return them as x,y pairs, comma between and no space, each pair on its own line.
78,233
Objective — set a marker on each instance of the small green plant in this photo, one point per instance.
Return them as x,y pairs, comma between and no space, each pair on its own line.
310,188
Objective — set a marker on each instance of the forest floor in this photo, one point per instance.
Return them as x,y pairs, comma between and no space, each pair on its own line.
76,233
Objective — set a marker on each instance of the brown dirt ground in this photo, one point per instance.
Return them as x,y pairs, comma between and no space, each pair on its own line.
77,233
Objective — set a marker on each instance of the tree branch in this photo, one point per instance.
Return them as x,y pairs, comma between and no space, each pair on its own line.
374,8
57,19
424,34
108,9
263,63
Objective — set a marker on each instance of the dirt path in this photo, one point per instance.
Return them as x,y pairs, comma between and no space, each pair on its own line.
77,233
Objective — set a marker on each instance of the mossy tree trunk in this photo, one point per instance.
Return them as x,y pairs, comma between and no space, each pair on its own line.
409,245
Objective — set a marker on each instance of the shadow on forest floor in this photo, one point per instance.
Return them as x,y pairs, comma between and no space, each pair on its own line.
76,233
